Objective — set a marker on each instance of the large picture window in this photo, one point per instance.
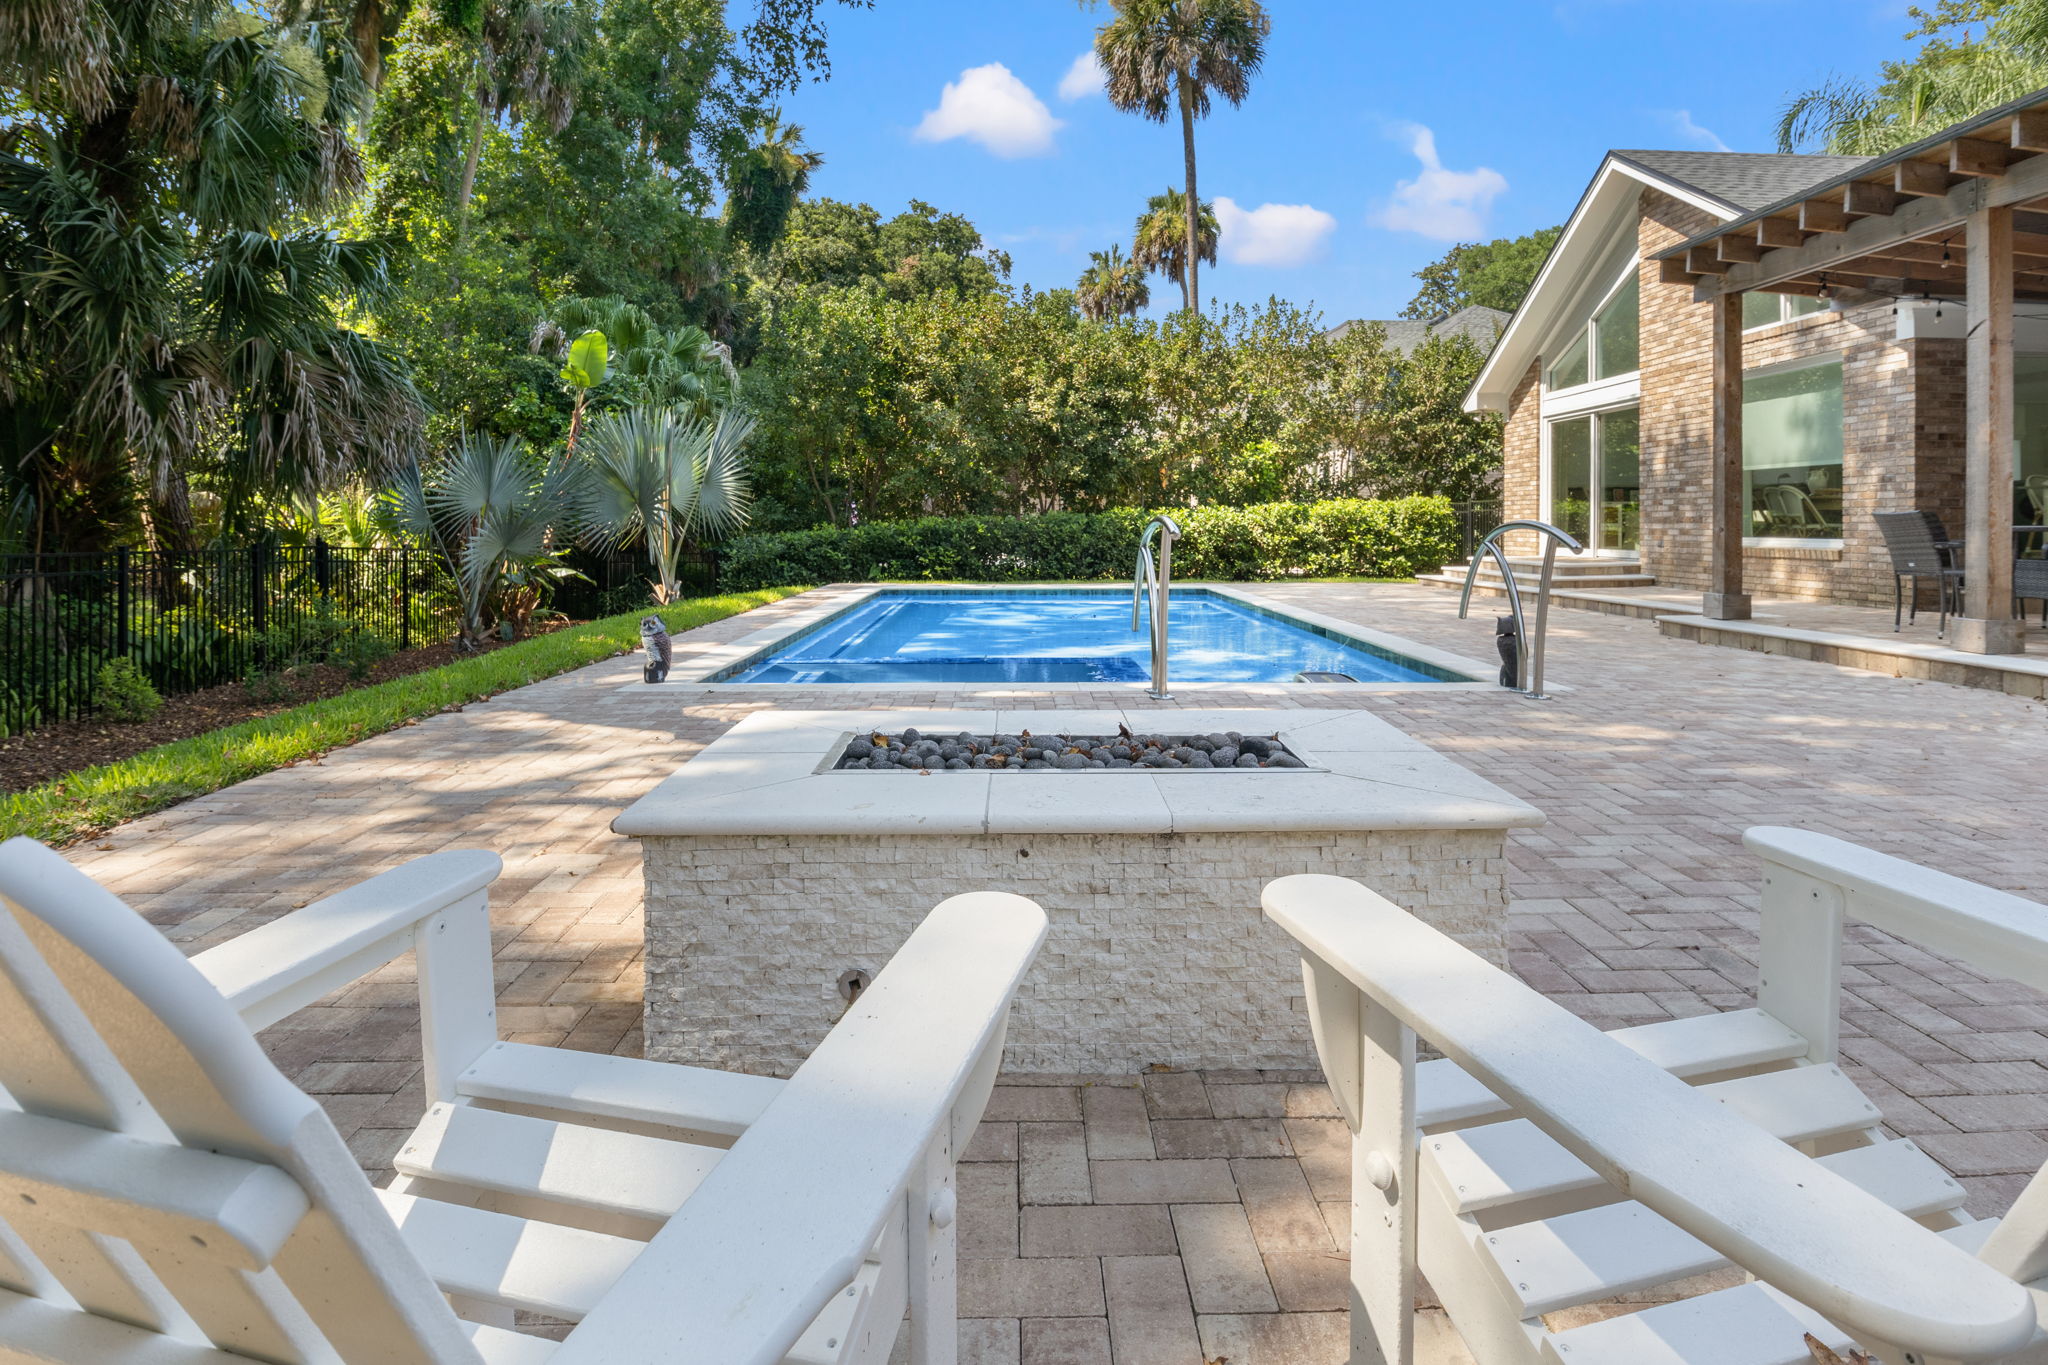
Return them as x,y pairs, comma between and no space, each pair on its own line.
1792,452
1609,345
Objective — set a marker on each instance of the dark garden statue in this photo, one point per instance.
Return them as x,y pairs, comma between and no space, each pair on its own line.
654,638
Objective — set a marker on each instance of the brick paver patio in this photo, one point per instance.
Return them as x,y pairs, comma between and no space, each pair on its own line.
1181,1217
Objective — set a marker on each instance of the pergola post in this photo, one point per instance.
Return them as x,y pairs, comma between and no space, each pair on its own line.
1725,600
1986,625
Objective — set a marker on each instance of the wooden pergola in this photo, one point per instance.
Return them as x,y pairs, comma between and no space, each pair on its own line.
1961,215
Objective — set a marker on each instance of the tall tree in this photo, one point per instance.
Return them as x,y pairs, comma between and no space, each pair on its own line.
1159,240
1978,54
1113,286
1160,56
1495,274
171,309
763,186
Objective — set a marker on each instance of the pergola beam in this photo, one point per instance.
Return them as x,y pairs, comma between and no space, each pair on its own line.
2025,180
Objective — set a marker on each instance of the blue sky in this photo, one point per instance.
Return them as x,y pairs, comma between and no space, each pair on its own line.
1330,201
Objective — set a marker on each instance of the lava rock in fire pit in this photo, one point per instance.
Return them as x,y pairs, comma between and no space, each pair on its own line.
915,752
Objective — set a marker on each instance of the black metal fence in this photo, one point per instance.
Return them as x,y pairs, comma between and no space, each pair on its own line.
1475,521
192,620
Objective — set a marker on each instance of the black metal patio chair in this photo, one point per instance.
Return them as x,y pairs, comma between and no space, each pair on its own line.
1917,553
2030,583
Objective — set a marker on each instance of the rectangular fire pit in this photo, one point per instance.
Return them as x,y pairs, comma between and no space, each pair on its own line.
778,881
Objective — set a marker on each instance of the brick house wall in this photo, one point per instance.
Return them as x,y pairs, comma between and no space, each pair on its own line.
1522,462
1901,438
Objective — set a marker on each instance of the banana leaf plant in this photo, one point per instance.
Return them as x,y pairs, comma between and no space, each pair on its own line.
662,479
500,518
583,370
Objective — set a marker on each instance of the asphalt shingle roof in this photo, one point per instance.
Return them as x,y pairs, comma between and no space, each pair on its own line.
1481,325
1743,180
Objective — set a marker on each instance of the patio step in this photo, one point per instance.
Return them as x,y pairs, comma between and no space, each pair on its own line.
2020,675
1602,596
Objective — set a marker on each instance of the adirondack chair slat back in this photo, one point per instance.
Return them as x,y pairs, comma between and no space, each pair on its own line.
267,1241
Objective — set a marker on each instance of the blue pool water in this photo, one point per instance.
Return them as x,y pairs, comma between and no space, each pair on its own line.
1072,635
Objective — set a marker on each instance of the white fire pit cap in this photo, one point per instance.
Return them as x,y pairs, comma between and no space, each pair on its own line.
772,774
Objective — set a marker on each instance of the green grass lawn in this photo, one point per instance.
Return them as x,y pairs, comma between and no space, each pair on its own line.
93,799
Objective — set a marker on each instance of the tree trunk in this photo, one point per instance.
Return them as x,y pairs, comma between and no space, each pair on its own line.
1187,146
468,185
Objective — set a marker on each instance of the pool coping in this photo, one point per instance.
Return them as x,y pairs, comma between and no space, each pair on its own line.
702,669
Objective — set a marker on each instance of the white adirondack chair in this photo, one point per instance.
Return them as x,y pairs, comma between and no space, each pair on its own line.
168,1198
1541,1170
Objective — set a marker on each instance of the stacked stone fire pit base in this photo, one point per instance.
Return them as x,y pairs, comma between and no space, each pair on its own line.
776,885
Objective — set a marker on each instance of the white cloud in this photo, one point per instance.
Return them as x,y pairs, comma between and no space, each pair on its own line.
1271,234
1083,78
1682,124
991,106
1446,205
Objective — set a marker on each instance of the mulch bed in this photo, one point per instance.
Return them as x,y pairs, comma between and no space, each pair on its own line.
37,756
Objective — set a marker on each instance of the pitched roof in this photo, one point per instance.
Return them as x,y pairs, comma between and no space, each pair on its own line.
1742,180
1478,324
1727,185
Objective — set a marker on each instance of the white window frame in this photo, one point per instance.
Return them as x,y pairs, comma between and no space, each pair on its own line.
1570,398
1805,362
1545,484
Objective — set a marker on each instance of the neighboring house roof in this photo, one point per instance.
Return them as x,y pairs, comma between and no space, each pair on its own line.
1478,324
1724,184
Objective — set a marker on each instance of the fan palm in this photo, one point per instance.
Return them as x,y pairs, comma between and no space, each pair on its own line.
163,303
1159,240
1160,56
663,479
496,515
1113,286
764,184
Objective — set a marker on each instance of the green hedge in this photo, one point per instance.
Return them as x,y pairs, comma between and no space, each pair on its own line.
1342,538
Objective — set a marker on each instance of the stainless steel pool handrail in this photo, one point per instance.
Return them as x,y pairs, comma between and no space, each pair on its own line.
1528,650
1157,580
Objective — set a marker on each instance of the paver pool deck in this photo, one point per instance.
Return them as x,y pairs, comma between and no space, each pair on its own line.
1180,1217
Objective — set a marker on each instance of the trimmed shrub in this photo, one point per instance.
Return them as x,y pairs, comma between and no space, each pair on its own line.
122,693
1341,538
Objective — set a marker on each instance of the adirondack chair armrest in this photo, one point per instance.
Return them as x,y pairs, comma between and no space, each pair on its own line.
1767,1207
281,967
2004,934
863,1136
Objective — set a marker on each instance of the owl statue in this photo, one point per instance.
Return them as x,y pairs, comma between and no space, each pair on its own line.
654,638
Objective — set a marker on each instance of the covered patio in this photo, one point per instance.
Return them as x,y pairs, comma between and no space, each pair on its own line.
1956,223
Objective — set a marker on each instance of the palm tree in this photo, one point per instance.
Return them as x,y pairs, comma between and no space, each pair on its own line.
662,478
1113,286
1948,82
1159,241
171,303
764,184
1160,55
664,366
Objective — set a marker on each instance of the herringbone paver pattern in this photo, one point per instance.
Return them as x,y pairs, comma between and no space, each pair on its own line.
1180,1217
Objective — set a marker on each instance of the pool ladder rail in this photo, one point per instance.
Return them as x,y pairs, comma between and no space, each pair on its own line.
1528,647
1157,581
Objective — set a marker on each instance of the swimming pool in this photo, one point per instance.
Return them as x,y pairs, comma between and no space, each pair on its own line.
1066,635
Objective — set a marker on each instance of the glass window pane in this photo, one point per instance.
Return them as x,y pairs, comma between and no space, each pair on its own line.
1798,305
1621,462
1570,369
1617,327
1571,475
1759,310
1792,452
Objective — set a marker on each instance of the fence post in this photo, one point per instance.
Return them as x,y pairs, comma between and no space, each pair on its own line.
323,570
259,609
121,602
404,598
